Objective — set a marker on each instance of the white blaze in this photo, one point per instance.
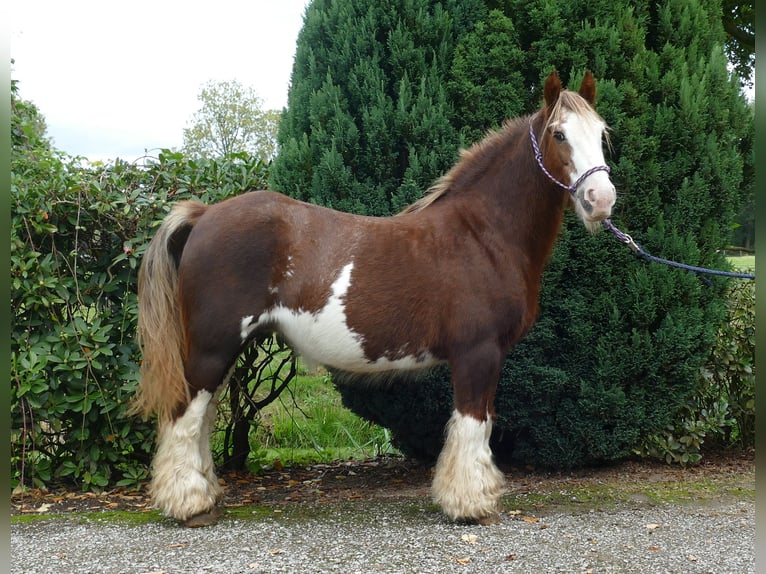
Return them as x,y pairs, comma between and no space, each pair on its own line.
584,135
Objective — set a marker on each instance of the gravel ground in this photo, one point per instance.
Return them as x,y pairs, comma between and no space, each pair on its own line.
395,536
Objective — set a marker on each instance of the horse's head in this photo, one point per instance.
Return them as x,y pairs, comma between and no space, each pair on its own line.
571,149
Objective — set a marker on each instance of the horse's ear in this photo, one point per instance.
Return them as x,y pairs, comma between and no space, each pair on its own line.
552,89
588,88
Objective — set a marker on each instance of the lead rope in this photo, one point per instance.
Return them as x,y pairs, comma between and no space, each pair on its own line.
609,226
626,239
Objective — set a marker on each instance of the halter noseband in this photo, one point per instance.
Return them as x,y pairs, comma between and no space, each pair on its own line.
539,157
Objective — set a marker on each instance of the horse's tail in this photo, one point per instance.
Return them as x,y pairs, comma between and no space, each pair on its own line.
163,389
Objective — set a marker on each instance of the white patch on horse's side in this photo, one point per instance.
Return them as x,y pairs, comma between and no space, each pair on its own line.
183,478
325,338
467,484
246,327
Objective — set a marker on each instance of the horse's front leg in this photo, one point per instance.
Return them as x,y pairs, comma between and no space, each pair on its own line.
467,484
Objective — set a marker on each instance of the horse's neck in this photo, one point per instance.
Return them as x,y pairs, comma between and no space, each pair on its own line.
522,208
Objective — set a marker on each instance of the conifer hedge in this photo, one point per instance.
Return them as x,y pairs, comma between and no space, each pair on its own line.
382,96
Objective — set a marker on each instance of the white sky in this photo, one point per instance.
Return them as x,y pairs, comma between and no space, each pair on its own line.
114,79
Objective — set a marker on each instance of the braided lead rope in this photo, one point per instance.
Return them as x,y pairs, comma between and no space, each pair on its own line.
539,157
621,236
636,248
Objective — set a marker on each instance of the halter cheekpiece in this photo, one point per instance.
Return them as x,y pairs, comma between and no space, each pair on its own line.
539,157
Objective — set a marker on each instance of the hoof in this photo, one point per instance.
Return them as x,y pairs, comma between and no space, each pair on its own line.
489,520
203,519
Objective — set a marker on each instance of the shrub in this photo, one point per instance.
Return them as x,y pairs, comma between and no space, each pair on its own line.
722,411
619,342
73,364
77,236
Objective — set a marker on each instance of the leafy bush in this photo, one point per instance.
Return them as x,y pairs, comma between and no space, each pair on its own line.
722,412
77,236
73,366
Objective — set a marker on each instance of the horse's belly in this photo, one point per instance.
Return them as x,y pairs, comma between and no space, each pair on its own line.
324,337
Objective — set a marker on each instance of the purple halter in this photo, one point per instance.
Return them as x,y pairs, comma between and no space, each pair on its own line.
570,188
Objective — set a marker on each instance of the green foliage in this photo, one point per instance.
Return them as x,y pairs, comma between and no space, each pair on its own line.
730,372
28,128
309,424
231,121
722,411
619,343
77,236
367,124
739,23
73,368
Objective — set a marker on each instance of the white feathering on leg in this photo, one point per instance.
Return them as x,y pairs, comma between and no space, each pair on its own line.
467,484
183,478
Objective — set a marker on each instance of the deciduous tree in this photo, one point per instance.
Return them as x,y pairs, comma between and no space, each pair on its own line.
231,120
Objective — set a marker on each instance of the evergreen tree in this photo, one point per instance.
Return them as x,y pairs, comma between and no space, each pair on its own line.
619,343
367,123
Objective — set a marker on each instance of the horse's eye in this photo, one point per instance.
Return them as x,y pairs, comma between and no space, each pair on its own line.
559,136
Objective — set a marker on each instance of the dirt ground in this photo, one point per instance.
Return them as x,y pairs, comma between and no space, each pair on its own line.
389,477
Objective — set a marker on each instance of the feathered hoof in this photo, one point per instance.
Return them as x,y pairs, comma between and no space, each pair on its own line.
203,519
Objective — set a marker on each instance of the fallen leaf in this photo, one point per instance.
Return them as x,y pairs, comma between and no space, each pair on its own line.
461,561
254,565
654,549
470,538
531,519
692,558
276,552
652,526
511,557
45,507
177,545
514,512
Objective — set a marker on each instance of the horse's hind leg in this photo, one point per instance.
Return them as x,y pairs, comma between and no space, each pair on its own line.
184,483
466,483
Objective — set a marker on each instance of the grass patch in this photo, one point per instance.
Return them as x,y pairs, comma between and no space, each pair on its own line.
614,495
309,424
119,517
743,262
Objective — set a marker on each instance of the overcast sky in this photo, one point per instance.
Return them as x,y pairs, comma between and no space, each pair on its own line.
114,79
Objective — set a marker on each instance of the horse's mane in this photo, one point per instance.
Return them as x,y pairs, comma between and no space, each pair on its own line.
474,159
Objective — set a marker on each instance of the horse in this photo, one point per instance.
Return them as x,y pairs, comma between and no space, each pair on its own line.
453,278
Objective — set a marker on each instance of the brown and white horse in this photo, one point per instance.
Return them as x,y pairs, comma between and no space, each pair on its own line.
452,279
